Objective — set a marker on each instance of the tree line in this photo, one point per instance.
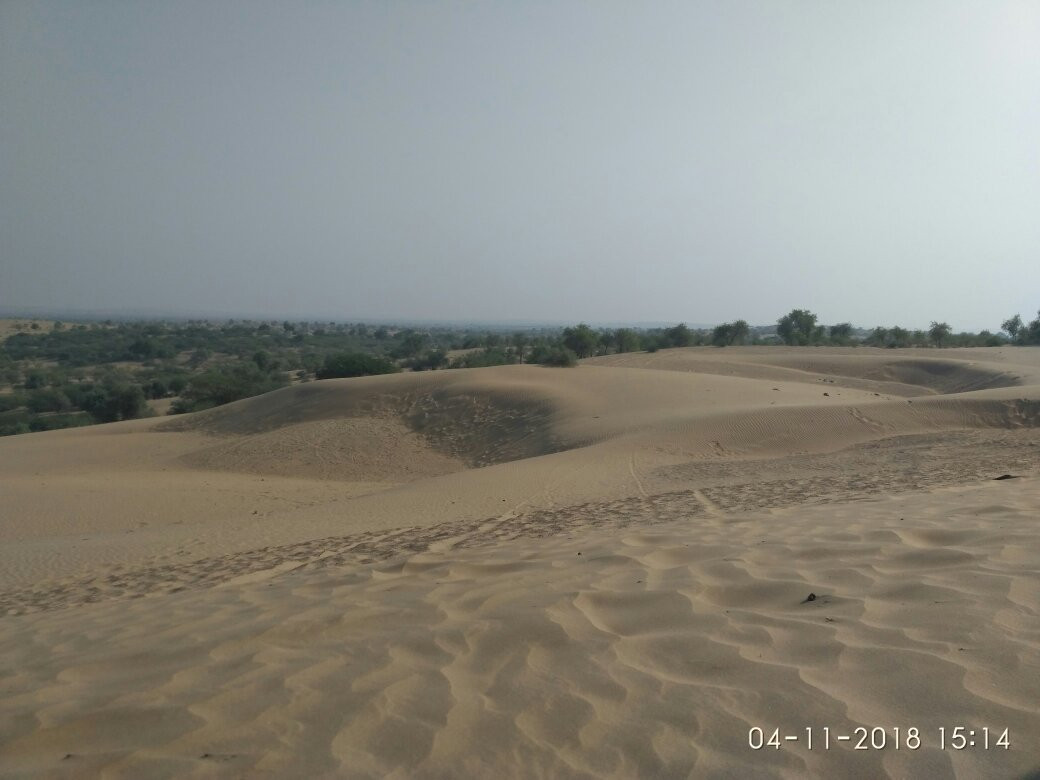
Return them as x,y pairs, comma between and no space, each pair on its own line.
78,374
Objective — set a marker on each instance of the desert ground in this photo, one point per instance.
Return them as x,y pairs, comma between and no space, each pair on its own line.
615,570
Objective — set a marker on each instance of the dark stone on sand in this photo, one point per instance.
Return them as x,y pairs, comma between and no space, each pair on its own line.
810,597
1005,476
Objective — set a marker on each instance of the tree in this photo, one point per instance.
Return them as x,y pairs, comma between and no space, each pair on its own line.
939,332
679,336
48,400
519,341
581,340
841,333
626,340
111,401
561,357
878,337
411,344
741,331
1031,334
722,335
350,364
729,333
797,327
34,380
224,384
898,337
430,361
1012,327
262,358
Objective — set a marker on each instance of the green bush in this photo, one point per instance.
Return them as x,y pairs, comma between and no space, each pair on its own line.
53,422
432,360
48,400
351,364
225,384
491,356
9,401
560,357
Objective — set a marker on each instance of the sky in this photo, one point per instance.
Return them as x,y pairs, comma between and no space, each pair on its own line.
874,162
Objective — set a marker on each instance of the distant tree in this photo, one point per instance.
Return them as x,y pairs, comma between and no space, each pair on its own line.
199,356
581,340
679,336
430,361
722,335
898,337
34,380
797,327
988,339
48,400
878,337
411,344
841,333
262,358
224,384
489,356
939,332
1031,333
111,401
730,333
741,332
626,340
1012,327
560,357
11,401
519,341
351,364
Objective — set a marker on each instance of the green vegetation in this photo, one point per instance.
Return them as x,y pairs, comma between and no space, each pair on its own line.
730,333
581,340
799,328
350,364
224,384
939,332
60,375
1020,333
559,357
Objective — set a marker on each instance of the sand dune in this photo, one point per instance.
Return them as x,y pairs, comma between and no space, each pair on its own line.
524,571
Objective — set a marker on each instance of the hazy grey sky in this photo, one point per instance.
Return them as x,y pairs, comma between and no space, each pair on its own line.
700,161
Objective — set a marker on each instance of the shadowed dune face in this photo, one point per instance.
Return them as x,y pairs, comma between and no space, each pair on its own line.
393,428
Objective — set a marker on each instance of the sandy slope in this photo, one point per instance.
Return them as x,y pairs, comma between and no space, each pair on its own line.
527,571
